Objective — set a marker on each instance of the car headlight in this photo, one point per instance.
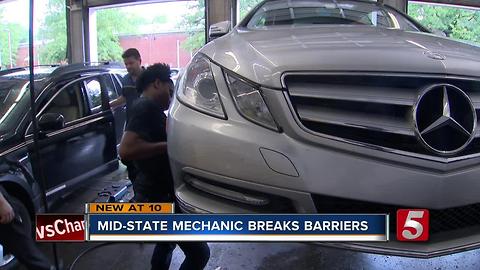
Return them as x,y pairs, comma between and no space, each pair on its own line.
199,90
249,101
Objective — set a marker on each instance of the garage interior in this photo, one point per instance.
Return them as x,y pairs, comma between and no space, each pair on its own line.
82,25
226,256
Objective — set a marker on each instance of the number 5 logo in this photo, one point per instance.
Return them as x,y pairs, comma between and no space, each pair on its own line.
413,224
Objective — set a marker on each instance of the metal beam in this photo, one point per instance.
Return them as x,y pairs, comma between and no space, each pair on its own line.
396,3
86,30
118,3
217,11
76,33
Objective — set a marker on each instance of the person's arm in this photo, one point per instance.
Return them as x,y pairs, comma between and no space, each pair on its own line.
133,147
120,101
6,211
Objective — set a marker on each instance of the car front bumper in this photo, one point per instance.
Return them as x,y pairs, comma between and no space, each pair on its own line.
238,156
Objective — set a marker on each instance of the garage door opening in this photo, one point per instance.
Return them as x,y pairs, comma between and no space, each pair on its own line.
50,33
168,32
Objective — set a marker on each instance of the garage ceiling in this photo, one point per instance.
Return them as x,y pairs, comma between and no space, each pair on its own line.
98,3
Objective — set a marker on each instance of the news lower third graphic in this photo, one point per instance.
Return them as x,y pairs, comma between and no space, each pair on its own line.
157,222
60,228
125,208
413,225
211,227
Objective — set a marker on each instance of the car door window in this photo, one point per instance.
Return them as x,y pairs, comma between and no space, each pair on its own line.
110,87
118,81
68,102
94,93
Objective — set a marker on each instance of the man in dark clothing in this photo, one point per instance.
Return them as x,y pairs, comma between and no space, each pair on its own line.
15,235
133,64
145,142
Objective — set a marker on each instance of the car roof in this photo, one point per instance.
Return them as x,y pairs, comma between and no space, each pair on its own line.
22,75
42,71
46,73
24,72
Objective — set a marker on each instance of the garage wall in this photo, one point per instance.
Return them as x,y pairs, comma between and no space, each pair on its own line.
158,48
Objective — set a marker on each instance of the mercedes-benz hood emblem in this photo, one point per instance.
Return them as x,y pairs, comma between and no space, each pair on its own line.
445,119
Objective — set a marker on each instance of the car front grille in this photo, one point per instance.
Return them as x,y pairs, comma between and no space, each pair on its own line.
440,220
370,109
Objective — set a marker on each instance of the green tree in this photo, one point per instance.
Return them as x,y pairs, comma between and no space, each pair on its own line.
52,34
458,23
11,35
246,6
193,23
159,19
110,24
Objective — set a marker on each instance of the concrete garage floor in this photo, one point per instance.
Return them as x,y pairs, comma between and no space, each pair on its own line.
234,256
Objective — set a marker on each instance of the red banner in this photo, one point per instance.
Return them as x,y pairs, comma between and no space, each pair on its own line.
60,227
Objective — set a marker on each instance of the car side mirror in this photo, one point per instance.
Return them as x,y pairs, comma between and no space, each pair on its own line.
219,29
51,121
439,33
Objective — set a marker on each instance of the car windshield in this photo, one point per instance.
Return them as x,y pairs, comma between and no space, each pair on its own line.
13,99
333,12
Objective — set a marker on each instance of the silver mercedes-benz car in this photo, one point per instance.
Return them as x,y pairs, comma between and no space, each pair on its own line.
332,107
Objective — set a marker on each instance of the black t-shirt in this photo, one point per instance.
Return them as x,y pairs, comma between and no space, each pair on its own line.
127,80
131,95
129,91
148,121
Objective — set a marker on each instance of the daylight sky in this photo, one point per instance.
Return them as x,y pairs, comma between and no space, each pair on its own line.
17,11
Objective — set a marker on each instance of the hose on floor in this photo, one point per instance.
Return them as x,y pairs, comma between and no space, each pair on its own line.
71,267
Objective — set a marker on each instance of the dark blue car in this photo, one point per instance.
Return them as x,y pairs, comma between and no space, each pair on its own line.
79,133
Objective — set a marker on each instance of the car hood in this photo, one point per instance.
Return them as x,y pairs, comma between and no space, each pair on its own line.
264,55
